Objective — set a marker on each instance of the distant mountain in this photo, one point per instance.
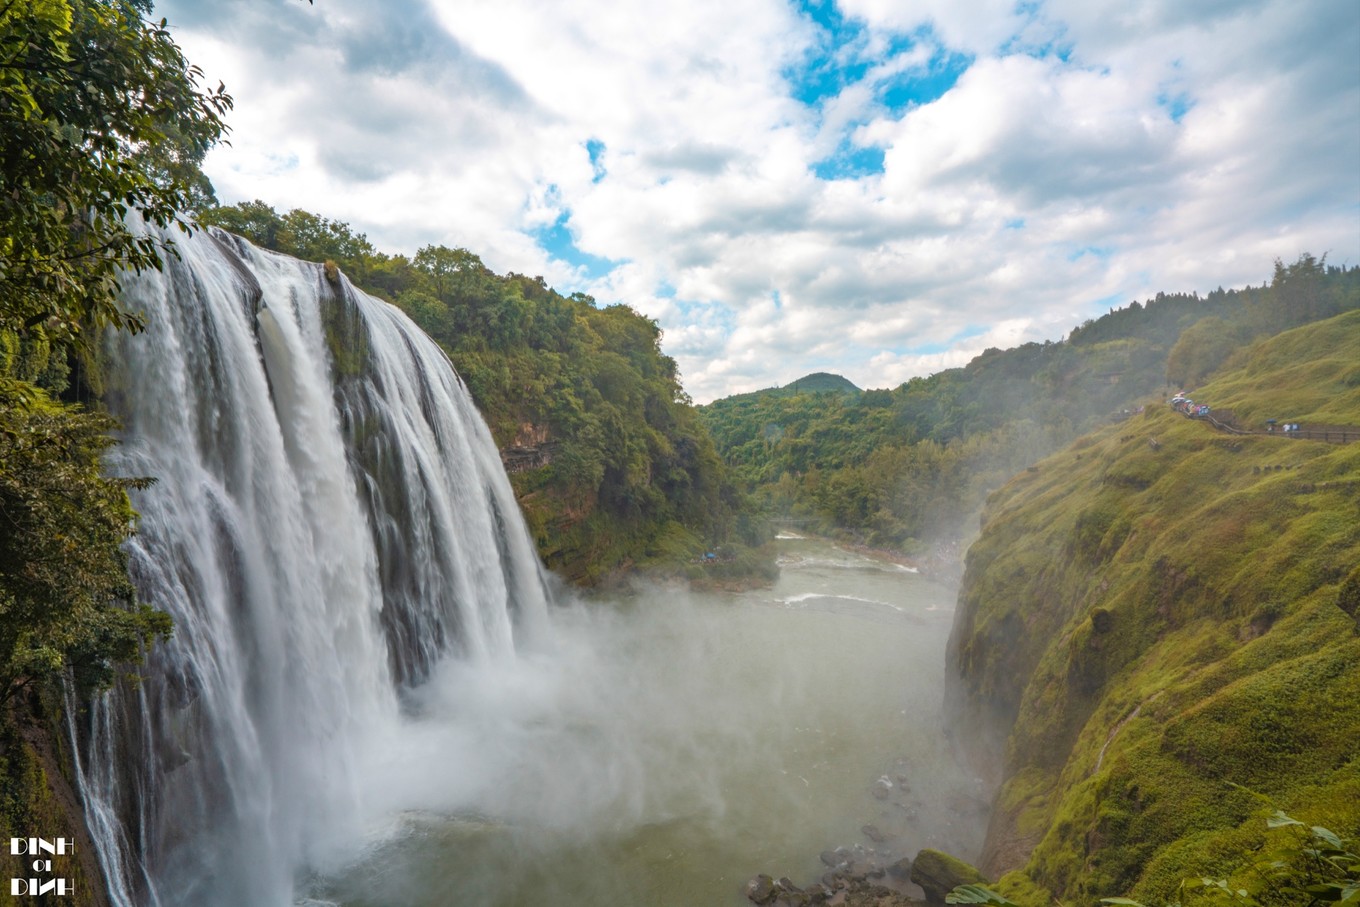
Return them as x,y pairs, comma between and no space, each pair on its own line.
815,383
818,383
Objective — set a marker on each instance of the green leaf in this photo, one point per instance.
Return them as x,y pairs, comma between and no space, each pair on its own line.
977,894
1280,820
1329,836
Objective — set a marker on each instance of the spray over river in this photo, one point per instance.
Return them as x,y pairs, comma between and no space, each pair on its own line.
666,750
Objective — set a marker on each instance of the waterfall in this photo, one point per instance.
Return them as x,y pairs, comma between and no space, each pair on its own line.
330,519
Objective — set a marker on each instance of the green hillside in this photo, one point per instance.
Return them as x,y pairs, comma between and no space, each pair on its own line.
1161,622
895,467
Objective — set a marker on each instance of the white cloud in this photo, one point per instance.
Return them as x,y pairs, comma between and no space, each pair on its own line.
1163,146
978,27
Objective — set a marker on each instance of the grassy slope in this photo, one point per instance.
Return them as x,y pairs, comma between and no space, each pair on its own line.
1160,622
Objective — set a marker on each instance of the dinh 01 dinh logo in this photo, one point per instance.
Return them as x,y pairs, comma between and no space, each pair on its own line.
40,852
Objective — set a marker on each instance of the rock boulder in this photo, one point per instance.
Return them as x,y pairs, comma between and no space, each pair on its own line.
938,874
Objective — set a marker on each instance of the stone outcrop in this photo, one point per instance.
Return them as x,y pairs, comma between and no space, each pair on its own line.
938,874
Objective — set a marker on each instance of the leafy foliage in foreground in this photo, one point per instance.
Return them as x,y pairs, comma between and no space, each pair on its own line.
1306,865
1309,866
64,592
894,466
101,120
977,894
100,116
610,462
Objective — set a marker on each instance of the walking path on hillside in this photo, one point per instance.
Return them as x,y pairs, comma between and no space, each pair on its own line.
1223,420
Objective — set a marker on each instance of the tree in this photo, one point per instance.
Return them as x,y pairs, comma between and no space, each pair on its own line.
442,264
1299,289
65,597
101,117
314,238
102,124
256,221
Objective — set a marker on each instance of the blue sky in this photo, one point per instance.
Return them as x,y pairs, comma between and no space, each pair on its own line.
881,188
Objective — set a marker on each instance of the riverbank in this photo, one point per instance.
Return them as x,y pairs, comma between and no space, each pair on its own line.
904,813
942,560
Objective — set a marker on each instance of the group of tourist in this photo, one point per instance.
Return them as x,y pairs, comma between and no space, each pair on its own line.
1183,404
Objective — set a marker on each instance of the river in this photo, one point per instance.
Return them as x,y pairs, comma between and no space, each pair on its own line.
665,750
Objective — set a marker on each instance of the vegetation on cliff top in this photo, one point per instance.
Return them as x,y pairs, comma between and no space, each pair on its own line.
1162,618
610,463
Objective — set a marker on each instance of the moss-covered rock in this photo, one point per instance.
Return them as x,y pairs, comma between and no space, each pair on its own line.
38,800
938,873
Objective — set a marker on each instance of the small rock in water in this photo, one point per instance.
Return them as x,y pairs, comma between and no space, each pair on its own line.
873,834
901,870
882,787
761,889
789,894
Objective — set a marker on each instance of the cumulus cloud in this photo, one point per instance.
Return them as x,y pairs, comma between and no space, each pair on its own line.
870,187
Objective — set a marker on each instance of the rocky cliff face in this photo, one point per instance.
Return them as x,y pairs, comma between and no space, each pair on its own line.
531,448
1153,628
39,800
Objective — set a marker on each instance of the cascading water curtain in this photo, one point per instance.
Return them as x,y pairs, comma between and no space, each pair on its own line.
330,517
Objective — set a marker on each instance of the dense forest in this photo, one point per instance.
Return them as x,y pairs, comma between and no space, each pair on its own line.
611,465
895,468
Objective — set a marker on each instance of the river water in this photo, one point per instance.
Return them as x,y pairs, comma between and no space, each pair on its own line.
664,750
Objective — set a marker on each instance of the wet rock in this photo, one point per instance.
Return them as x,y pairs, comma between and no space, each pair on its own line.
834,858
761,889
790,895
938,873
873,834
901,870
882,787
